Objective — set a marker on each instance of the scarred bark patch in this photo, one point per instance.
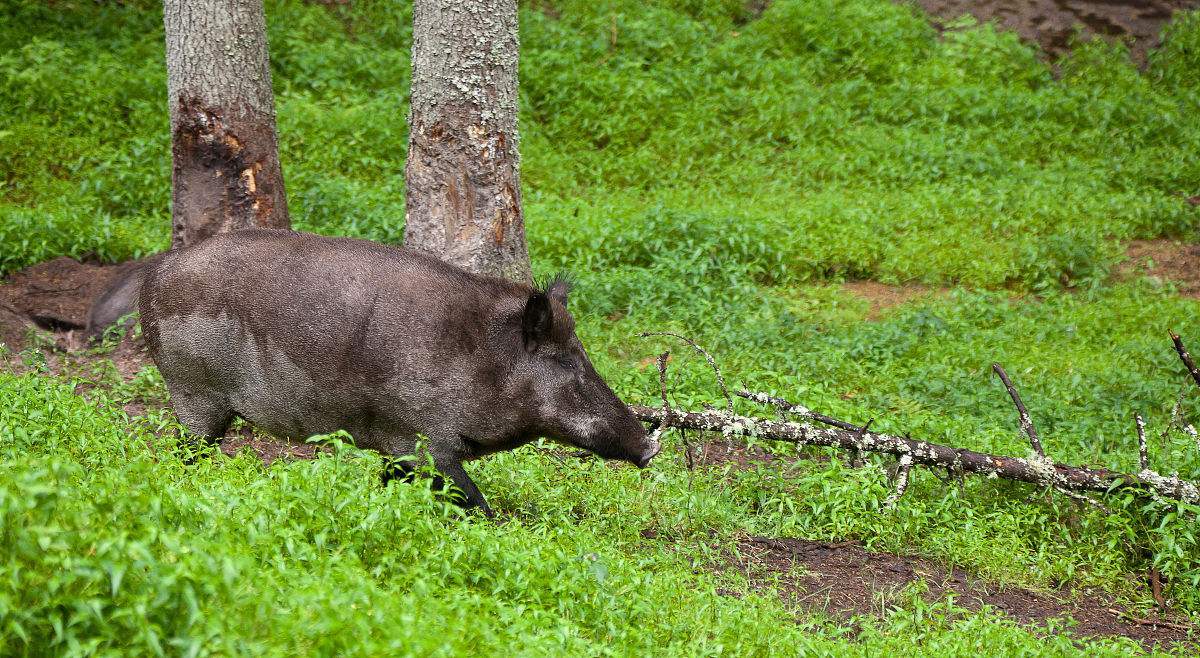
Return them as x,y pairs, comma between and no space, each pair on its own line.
225,174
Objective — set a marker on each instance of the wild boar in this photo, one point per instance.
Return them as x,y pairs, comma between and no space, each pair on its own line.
301,334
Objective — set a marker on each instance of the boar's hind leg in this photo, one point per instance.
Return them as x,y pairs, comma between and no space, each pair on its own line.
205,415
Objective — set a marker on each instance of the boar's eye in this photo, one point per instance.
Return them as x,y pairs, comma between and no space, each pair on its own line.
566,362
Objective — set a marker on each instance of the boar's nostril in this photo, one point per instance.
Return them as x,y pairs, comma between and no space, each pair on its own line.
648,454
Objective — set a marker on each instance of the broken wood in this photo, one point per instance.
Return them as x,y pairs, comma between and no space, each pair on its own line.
1022,413
1036,468
1033,470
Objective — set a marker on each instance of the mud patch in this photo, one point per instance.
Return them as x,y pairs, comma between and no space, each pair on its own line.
56,295
1052,23
268,449
1165,260
844,580
882,296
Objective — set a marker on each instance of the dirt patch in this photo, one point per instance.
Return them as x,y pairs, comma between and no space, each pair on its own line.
882,296
735,454
1167,260
1051,23
844,580
56,295
267,448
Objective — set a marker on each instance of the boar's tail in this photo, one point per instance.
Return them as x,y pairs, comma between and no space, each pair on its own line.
118,300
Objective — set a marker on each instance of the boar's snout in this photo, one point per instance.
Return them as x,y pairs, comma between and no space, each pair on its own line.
636,446
648,453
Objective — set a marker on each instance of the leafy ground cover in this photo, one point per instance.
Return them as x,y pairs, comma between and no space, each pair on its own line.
700,168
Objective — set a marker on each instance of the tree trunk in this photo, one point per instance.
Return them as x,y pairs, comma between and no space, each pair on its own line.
225,162
464,192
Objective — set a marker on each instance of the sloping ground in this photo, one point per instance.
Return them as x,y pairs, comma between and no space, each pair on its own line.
57,294
1051,23
843,580
839,579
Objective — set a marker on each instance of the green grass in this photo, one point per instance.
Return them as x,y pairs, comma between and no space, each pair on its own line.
706,173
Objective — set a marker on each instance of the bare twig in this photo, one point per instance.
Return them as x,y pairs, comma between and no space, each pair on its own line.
1143,457
1185,357
662,380
1156,588
711,361
902,471
662,386
1022,413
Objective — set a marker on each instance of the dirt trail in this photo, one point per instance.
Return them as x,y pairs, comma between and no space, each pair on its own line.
1051,23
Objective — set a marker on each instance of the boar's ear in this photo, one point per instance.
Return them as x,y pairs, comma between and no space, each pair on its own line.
536,321
559,287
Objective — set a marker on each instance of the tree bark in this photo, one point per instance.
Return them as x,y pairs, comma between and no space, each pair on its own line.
225,160
463,176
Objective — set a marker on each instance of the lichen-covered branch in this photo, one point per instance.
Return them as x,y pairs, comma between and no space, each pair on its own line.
1034,469
902,471
796,409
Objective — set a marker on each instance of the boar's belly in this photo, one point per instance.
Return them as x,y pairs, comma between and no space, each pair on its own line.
218,356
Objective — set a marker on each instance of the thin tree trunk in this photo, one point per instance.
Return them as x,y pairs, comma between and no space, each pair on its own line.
225,161
463,184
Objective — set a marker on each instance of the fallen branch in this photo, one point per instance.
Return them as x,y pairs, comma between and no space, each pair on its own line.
1034,470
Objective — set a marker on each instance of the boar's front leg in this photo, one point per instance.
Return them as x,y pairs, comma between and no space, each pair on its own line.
447,462
453,469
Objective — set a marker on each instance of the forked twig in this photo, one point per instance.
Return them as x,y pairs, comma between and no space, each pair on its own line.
711,361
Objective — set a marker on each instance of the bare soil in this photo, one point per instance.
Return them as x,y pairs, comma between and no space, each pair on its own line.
1167,260
844,580
1052,23
882,296
57,294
